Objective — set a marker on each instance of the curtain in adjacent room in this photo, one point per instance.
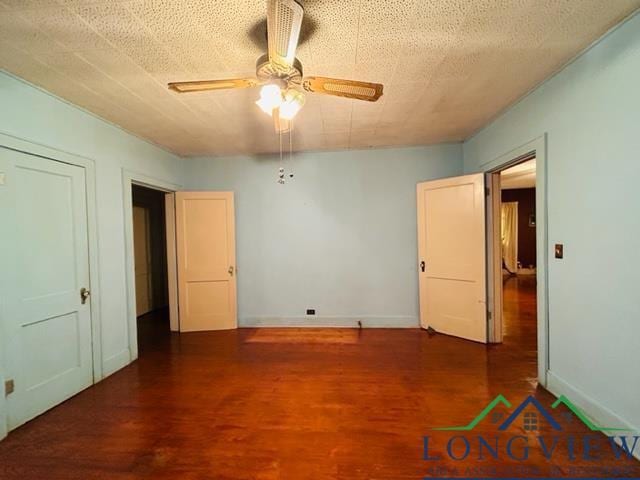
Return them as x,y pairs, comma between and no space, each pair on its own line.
509,222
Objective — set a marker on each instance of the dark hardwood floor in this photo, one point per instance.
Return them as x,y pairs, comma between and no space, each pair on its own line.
519,310
298,404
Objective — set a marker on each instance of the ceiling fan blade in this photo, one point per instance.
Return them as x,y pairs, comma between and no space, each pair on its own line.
343,88
203,85
284,19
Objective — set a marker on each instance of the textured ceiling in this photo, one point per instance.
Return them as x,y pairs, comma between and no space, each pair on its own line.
448,66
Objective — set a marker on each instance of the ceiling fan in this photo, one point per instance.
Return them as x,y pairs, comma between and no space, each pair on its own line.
280,74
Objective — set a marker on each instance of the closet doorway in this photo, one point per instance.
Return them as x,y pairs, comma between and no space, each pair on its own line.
150,266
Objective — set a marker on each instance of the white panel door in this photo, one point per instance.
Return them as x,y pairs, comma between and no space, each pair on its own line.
451,248
205,241
142,257
45,256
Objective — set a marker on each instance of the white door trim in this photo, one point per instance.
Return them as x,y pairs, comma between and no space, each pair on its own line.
11,142
130,178
539,146
172,260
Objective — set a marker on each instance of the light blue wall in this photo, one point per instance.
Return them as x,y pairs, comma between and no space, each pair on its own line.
591,114
34,115
340,237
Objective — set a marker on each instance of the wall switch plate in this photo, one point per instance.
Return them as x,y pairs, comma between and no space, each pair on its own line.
2,178
559,250
311,311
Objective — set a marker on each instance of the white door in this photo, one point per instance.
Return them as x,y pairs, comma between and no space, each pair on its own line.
46,324
142,258
205,241
451,249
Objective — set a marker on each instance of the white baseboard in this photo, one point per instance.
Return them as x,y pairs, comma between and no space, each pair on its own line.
329,321
115,362
598,413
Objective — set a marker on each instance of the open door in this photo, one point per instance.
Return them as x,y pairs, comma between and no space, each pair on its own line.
451,249
205,241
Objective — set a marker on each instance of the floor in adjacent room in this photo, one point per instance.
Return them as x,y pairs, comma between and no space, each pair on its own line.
519,312
293,404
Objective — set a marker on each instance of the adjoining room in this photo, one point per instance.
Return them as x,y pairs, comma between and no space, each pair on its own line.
518,228
151,274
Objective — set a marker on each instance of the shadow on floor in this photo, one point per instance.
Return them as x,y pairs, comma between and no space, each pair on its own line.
153,331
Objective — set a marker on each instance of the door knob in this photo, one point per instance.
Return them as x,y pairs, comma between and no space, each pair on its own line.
84,294
231,270
422,266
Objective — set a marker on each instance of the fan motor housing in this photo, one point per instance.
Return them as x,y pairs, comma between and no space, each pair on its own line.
265,70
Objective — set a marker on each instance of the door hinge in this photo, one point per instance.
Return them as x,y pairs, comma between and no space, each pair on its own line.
488,315
487,191
9,387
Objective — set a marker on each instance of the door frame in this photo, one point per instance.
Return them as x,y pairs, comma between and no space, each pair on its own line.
130,178
538,148
16,144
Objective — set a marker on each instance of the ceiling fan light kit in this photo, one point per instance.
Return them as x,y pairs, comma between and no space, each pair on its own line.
270,98
287,102
291,105
280,73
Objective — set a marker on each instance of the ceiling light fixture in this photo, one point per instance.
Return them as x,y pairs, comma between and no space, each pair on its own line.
283,104
288,102
270,98
293,102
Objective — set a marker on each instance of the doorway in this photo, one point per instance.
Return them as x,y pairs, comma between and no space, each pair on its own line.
518,273
150,266
535,148
210,240
479,199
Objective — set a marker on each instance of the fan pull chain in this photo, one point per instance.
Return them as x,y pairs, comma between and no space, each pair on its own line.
281,170
291,148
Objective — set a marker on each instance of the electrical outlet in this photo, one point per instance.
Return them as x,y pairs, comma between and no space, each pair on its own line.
311,311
